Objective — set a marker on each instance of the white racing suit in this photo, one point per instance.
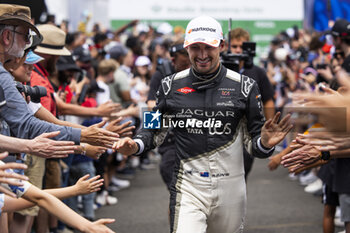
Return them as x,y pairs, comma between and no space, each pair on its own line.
211,121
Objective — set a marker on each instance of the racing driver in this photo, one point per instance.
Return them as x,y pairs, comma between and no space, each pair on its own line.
214,112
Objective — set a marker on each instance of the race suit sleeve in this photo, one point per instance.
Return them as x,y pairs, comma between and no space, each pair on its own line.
22,123
148,139
255,121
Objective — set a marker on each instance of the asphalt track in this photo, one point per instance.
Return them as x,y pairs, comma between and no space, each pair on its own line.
275,204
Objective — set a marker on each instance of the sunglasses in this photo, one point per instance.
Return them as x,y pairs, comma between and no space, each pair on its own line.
27,36
339,54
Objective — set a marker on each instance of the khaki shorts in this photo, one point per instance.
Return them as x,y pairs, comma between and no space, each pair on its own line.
35,173
52,174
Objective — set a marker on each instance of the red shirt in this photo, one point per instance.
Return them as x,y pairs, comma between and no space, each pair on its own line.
69,95
89,102
39,78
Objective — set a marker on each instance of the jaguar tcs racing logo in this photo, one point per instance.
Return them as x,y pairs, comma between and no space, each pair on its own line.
226,129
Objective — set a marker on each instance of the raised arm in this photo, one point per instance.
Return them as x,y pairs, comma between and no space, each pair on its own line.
21,122
64,213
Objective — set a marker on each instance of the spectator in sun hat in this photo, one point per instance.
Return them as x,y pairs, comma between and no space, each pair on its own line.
15,28
50,48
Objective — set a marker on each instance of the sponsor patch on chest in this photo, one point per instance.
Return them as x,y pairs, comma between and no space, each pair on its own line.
186,90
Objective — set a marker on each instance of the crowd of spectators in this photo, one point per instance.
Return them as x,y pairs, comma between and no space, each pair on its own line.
108,78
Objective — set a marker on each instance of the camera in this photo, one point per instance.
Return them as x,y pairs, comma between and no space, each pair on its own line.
231,60
321,66
35,92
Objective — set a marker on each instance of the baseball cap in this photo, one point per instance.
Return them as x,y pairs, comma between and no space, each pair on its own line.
32,58
341,28
142,61
82,54
117,51
67,63
203,29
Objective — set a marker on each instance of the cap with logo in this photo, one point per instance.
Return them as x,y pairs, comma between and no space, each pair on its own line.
17,15
54,40
341,28
203,29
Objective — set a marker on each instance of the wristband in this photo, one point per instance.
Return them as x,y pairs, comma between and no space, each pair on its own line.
325,155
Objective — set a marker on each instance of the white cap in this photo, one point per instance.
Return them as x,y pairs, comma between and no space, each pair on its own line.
203,29
165,28
142,61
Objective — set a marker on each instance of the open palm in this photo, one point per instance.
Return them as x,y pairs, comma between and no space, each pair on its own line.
273,132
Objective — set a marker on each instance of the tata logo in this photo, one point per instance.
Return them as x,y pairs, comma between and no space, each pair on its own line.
151,120
185,90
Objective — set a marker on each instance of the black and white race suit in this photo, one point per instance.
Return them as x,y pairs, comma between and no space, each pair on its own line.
212,119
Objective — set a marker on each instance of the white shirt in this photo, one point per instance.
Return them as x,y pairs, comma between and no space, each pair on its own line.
102,97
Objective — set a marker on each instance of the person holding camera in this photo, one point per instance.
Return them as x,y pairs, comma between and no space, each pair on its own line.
237,37
215,112
15,37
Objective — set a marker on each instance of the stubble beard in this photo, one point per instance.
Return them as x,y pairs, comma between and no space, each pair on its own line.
15,49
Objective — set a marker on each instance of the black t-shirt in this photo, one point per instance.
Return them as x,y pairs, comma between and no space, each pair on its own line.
346,64
265,87
341,182
326,173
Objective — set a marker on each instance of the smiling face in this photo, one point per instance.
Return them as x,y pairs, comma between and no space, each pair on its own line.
23,73
205,59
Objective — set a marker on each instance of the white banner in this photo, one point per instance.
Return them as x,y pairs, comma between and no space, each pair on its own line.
219,9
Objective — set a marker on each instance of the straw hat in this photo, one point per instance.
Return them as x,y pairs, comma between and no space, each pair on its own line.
16,15
53,41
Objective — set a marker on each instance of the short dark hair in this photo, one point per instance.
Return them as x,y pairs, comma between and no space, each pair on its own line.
238,33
